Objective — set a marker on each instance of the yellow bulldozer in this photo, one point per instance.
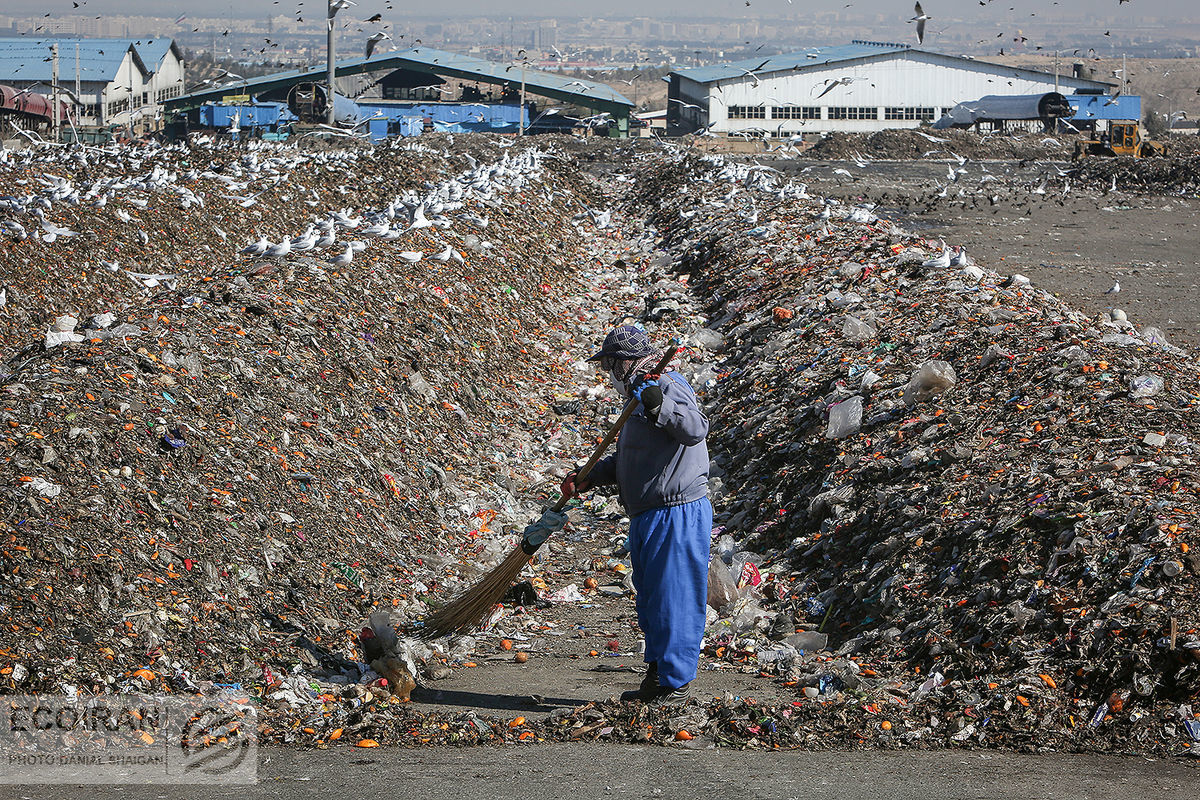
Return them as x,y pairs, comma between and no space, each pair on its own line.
1123,138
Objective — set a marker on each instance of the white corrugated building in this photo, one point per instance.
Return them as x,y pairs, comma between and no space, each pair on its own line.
118,80
859,87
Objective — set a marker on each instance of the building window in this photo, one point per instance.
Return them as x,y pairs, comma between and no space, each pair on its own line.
795,112
853,112
908,113
747,112
421,94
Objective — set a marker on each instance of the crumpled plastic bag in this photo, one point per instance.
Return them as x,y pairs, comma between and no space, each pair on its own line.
845,418
857,330
722,586
567,594
62,331
931,379
45,488
1145,386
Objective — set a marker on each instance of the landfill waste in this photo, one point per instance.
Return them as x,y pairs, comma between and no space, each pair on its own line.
211,478
245,455
1171,175
909,144
1016,513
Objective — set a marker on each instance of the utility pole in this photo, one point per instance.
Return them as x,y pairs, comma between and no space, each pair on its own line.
334,7
1056,72
521,110
54,87
329,66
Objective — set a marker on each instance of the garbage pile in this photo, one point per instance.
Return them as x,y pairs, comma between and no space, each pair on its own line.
219,457
951,509
943,487
903,144
1170,175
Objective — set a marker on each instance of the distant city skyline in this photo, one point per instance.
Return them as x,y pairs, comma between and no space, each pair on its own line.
957,10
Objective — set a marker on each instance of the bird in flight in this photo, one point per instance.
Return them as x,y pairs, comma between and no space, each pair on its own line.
373,40
920,19
831,84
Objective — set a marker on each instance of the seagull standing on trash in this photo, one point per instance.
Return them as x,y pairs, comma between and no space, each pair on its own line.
344,258
942,260
279,250
256,248
1115,288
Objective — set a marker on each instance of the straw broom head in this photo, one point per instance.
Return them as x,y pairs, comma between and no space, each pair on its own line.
469,610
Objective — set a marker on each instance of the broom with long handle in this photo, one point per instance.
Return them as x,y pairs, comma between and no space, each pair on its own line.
469,610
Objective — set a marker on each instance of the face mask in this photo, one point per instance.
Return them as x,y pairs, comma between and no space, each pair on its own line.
618,384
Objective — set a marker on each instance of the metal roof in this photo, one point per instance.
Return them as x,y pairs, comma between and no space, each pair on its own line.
153,51
815,57
26,59
800,59
436,62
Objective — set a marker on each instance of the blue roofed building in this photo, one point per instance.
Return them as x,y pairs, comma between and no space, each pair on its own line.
858,87
115,81
454,91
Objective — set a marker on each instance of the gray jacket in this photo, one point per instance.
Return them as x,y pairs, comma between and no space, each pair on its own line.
662,462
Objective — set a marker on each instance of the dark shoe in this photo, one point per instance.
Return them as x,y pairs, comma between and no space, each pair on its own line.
649,688
672,697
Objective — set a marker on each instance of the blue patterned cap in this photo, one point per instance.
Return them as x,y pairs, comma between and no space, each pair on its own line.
625,342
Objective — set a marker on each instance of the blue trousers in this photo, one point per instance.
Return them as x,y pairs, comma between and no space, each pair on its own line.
669,550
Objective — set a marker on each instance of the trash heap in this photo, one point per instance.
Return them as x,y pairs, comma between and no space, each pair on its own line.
1172,175
910,144
216,465
951,509
947,492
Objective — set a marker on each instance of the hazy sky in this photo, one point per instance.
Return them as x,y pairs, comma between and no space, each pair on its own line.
967,10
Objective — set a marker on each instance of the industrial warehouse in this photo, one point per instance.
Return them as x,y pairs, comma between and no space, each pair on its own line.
113,81
861,87
135,87
405,92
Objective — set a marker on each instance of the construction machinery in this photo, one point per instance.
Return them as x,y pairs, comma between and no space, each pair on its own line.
1124,137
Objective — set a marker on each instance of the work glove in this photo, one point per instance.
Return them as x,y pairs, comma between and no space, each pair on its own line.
537,533
649,393
572,486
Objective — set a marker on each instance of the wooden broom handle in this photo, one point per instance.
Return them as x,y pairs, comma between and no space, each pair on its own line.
630,406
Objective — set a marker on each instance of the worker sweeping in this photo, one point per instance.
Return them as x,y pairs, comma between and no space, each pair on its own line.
661,470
